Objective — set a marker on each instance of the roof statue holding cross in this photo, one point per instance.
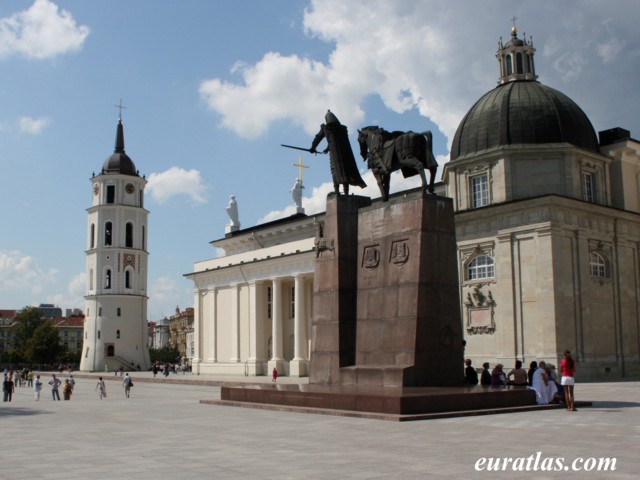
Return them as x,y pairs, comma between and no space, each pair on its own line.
296,191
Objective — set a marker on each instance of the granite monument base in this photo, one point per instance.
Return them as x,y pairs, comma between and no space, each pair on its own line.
402,403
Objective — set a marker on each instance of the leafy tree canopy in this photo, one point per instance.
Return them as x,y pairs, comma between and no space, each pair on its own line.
27,321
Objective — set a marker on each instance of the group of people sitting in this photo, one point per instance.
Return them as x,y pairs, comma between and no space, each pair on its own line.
541,377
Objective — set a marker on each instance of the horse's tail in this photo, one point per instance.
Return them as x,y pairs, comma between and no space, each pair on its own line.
431,163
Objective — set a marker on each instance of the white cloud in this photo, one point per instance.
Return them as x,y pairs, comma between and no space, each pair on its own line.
399,52
43,31
165,294
74,297
32,126
176,182
19,272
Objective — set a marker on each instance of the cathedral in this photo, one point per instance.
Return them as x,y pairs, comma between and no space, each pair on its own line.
115,330
547,216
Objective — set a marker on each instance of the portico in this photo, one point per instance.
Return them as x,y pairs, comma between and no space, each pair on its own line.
252,307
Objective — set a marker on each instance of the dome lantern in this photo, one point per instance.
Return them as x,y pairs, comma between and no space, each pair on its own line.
516,58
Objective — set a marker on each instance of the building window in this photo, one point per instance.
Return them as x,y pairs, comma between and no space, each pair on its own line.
86,353
479,186
269,303
509,67
118,311
293,302
90,283
98,334
93,236
589,187
111,193
143,238
597,265
117,333
108,227
128,241
107,279
127,279
100,311
519,63
480,267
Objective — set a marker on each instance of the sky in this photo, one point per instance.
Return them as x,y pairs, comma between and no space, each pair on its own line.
211,90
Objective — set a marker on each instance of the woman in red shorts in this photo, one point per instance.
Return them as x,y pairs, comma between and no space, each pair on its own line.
568,369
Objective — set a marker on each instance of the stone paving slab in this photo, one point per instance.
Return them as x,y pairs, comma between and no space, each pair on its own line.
163,432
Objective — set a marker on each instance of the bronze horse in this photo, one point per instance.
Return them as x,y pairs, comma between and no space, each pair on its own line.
387,152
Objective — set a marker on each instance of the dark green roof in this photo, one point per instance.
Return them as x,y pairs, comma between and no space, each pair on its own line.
520,113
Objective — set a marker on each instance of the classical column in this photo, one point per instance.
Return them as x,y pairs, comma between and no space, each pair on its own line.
255,362
213,325
235,323
277,360
298,366
197,322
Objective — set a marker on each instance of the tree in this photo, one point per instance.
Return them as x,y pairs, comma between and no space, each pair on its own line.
27,321
44,345
164,355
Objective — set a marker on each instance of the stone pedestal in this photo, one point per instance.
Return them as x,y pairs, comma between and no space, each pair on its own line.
386,307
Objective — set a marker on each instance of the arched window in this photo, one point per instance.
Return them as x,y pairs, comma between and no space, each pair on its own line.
519,63
128,241
127,279
143,238
108,234
117,333
528,65
509,66
92,240
480,267
598,265
107,279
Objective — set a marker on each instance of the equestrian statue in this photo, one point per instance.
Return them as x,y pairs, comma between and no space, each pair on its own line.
386,152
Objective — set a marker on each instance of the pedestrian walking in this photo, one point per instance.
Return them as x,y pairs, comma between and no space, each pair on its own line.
7,389
37,388
274,374
101,388
127,383
67,390
72,382
55,385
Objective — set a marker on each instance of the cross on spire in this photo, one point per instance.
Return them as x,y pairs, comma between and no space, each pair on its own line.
120,107
300,165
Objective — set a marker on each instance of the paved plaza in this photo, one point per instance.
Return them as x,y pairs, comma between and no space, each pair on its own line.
163,432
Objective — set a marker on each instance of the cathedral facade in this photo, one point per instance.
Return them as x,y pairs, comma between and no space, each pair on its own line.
548,236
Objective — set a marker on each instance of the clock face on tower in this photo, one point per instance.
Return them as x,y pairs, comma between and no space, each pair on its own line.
130,188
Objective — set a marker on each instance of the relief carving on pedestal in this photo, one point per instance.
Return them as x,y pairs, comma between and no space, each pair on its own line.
321,243
371,257
399,252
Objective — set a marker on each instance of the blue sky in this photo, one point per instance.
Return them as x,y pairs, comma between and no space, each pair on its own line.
212,88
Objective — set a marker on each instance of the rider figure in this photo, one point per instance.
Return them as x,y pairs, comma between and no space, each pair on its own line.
343,165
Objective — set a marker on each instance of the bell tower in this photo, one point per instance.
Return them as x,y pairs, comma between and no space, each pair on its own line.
115,330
